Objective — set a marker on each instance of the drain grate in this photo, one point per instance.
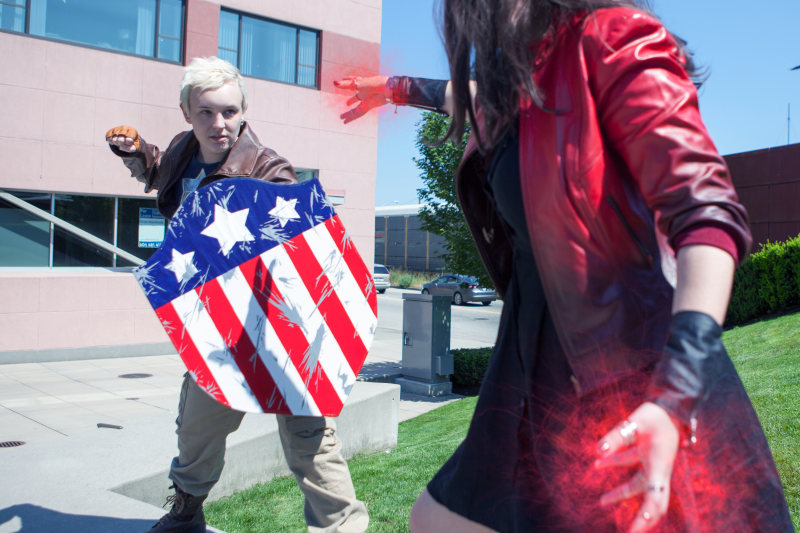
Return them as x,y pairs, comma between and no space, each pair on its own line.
11,444
135,376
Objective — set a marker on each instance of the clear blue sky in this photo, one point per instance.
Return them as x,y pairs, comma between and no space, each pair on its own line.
748,48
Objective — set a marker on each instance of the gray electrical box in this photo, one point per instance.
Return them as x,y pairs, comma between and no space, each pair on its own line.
426,338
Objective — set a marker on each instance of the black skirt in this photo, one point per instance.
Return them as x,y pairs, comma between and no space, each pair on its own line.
527,461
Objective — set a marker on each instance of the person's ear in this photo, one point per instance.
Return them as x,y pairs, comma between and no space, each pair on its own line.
186,115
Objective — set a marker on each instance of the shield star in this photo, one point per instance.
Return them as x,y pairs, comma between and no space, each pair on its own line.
284,211
183,266
228,228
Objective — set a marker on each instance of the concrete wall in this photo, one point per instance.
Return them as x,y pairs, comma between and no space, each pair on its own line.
69,96
768,183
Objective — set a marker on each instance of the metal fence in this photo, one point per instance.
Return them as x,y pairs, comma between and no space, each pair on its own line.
401,243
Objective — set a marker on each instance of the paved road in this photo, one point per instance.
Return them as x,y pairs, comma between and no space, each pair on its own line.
472,326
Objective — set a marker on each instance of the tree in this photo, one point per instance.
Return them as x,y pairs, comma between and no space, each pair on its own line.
443,215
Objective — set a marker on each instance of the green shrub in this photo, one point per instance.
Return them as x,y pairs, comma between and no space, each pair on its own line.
767,282
409,279
402,280
469,366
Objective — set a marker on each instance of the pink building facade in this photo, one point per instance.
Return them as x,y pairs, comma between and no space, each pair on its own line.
62,91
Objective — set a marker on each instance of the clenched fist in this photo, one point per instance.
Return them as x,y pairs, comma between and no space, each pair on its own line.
123,137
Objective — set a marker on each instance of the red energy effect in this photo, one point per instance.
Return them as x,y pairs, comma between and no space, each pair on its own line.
716,484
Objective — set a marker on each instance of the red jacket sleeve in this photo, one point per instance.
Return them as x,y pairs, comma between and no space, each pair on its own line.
648,109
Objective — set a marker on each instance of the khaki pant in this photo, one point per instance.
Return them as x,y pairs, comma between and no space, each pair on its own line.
310,444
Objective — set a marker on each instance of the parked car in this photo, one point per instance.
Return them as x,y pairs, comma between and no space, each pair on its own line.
383,280
462,289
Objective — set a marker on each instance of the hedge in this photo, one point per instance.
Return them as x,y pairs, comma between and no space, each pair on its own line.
469,366
767,282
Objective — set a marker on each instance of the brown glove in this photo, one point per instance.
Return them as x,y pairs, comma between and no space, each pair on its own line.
123,137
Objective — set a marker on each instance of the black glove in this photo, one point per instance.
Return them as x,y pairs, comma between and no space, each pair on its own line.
418,92
687,369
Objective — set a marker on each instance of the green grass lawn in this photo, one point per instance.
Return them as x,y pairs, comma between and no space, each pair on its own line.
767,355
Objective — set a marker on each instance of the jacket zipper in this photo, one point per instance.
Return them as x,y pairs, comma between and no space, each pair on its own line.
648,257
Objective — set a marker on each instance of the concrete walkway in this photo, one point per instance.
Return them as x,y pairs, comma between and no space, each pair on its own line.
40,402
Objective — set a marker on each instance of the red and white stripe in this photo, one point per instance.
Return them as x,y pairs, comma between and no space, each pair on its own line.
295,324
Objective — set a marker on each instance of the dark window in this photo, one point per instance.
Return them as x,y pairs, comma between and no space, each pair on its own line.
24,237
270,50
151,28
129,229
381,270
92,214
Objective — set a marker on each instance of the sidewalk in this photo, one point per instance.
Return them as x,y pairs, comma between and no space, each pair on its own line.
40,402
71,476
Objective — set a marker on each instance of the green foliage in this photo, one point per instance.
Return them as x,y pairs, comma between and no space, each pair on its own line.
767,282
408,279
388,483
443,215
766,355
469,366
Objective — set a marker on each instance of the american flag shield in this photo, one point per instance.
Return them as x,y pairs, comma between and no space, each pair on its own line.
264,296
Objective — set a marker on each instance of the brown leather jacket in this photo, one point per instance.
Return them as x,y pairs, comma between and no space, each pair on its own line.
161,170
623,167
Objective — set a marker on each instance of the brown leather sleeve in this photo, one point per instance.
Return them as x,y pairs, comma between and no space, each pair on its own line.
648,109
275,169
148,165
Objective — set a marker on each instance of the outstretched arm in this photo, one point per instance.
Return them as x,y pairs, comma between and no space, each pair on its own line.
375,91
142,159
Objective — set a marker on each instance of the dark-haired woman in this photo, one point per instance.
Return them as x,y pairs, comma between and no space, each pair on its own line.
607,220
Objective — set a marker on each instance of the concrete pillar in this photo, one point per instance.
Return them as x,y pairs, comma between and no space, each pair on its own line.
405,253
202,29
428,251
385,241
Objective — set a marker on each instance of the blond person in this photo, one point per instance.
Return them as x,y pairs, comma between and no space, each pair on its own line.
221,145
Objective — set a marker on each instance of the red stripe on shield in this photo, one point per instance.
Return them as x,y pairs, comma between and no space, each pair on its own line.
354,261
241,346
327,301
291,336
188,351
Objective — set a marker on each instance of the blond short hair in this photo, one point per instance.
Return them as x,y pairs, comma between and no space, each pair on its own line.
210,73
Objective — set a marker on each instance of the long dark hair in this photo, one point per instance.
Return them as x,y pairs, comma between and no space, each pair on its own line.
499,33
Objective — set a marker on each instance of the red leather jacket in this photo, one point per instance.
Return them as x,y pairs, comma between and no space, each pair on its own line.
623,168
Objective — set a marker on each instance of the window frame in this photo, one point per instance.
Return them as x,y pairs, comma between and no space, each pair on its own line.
157,29
297,27
51,211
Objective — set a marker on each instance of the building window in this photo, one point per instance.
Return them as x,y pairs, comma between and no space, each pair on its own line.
150,28
92,214
271,50
24,238
129,229
12,15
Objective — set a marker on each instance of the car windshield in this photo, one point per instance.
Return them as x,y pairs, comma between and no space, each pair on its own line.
472,280
381,269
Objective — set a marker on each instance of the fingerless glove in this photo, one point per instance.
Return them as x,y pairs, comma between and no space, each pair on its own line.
687,369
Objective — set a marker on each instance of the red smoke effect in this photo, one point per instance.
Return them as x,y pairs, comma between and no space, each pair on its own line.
345,56
717,485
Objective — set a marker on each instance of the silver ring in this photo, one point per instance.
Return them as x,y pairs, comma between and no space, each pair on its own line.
656,487
627,431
